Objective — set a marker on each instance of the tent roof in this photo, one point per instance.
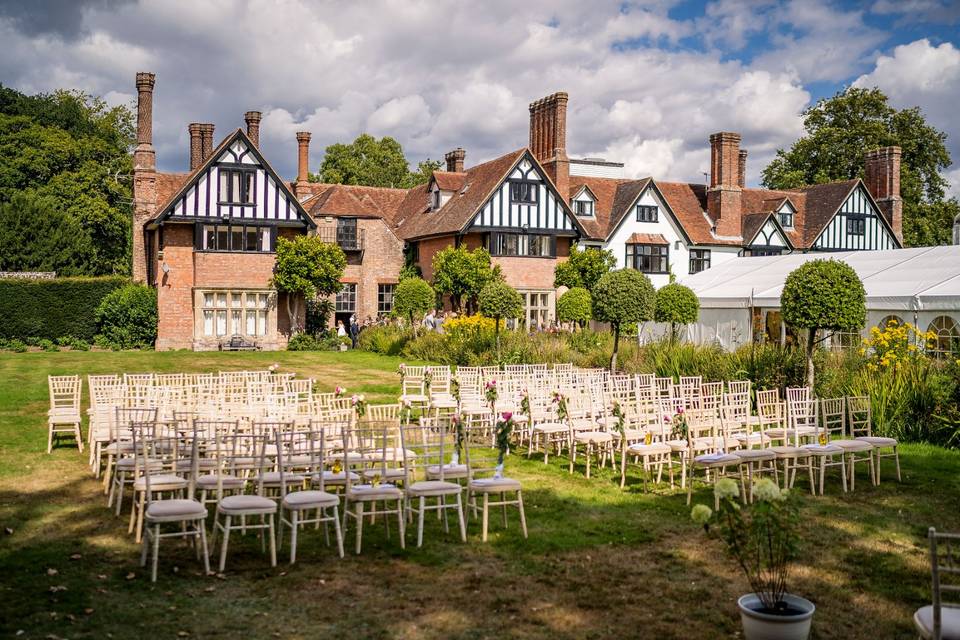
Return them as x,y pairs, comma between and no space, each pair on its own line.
901,279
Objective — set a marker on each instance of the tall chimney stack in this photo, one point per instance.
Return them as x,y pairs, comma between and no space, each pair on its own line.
144,176
724,194
303,158
548,138
252,119
742,170
196,144
455,160
882,177
206,140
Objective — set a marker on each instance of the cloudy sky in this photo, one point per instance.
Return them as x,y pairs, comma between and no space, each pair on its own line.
648,81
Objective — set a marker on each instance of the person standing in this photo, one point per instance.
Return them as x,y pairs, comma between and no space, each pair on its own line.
354,331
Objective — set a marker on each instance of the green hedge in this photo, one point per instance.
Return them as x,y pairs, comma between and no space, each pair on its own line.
53,308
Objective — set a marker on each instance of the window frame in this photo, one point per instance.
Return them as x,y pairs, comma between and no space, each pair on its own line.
523,245
633,258
246,184
201,229
860,226
237,308
701,258
949,334
383,307
347,232
534,191
647,213
785,215
350,289
587,203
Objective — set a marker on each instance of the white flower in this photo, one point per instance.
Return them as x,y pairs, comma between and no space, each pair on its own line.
701,514
726,488
765,490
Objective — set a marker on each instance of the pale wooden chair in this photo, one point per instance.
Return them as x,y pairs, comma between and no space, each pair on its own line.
645,444
156,474
833,413
825,454
495,489
940,620
860,419
64,414
707,440
184,511
292,447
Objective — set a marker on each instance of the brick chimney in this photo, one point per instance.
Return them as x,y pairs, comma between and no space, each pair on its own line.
724,192
144,174
548,139
882,177
252,118
206,140
455,160
196,144
742,171
303,158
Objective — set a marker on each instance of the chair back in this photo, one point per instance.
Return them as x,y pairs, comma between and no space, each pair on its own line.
372,448
432,441
833,417
64,395
859,416
945,571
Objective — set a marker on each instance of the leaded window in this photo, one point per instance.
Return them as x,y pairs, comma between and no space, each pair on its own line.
648,258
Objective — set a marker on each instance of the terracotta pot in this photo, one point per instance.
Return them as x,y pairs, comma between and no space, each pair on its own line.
760,625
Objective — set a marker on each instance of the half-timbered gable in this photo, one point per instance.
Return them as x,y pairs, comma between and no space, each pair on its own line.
526,201
769,239
237,186
856,225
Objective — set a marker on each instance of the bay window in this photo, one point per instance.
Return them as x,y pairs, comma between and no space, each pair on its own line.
648,258
234,313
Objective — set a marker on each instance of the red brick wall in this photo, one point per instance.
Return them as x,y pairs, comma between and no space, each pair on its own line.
427,249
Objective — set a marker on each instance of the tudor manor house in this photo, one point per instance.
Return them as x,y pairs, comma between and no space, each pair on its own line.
205,238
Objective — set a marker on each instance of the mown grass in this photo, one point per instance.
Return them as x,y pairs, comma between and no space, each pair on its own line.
599,563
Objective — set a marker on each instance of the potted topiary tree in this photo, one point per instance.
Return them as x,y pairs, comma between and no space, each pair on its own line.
676,305
413,297
763,538
574,306
823,294
498,300
623,297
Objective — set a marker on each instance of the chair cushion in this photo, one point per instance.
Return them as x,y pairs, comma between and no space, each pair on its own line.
248,505
160,482
594,437
550,427
494,485
390,472
823,449
754,455
433,488
127,464
210,482
449,471
654,448
273,477
717,459
879,441
853,446
949,622
367,492
787,451
173,510
338,477
309,500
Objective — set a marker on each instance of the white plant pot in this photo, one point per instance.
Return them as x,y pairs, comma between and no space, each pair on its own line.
758,625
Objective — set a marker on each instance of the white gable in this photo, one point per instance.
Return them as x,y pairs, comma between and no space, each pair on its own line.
769,235
856,226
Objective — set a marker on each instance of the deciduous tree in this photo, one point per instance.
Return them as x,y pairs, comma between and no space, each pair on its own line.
413,297
307,267
623,297
462,274
499,301
574,306
583,268
676,304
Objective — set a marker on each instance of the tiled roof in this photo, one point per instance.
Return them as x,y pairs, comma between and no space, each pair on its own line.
415,220
821,201
613,199
688,203
647,238
354,201
450,180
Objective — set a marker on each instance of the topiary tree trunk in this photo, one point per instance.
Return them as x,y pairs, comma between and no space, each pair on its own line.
616,347
811,343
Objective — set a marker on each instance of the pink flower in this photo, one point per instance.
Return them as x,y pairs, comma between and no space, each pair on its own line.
679,411
506,415
402,366
666,419
354,398
406,402
338,391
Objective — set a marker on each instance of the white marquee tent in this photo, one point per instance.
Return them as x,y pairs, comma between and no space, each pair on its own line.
920,285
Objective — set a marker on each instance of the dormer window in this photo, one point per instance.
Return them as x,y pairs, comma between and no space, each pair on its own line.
786,218
646,213
236,186
523,192
435,199
583,208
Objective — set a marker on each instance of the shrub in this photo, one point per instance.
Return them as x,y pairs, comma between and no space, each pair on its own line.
127,318
303,342
48,345
823,294
583,268
676,304
622,297
15,345
575,306
53,308
413,297
388,341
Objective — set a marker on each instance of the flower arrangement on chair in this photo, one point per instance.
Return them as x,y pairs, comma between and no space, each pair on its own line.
359,405
402,372
457,421
763,539
427,380
561,401
504,429
273,368
338,391
406,410
617,411
678,425
490,392
455,389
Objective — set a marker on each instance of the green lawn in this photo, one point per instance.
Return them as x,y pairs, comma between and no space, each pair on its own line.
599,563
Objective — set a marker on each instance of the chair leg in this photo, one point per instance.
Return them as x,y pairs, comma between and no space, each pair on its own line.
156,553
896,459
401,524
422,505
486,515
273,542
226,541
203,542
523,517
293,534
359,515
463,525
144,547
49,438
337,531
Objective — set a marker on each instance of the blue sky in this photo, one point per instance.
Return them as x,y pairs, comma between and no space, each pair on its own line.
648,80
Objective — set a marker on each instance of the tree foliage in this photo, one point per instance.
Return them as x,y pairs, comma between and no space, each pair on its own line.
623,297
127,318
72,149
677,305
36,235
462,274
373,163
498,300
306,268
841,129
583,268
413,297
823,294
575,305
